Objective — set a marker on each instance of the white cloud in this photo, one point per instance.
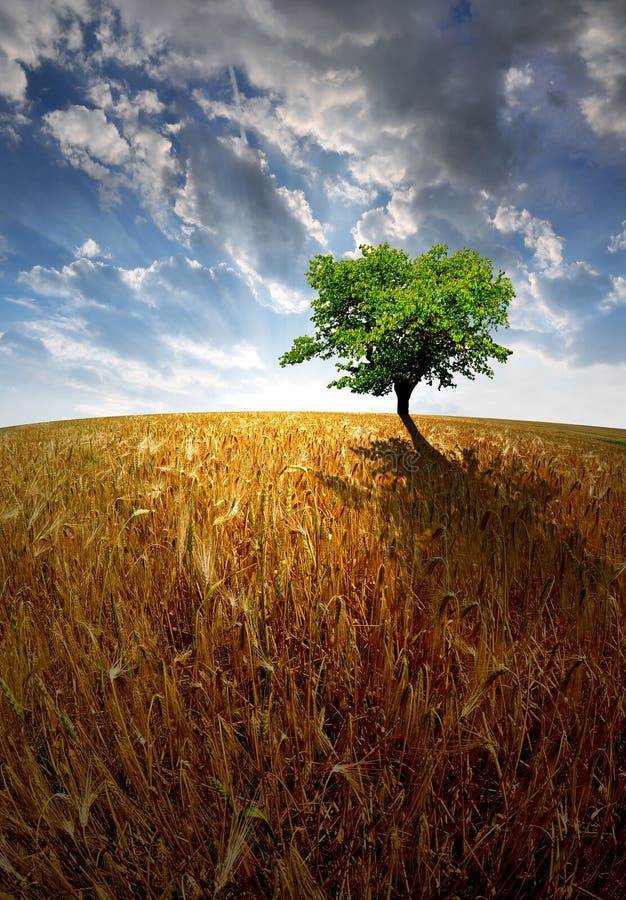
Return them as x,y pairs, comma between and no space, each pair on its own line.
52,282
546,389
130,109
11,125
33,30
584,314
84,281
261,115
161,274
529,311
348,193
153,169
90,249
617,296
126,47
394,222
102,342
240,356
602,47
81,131
70,345
313,103
538,234
384,169
13,81
618,241
283,298
140,155
108,402
298,205
279,296
96,283
516,81
147,103
605,115
138,311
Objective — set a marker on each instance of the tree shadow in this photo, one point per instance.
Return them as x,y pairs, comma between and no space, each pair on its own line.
351,495
400,457
421,446
493,515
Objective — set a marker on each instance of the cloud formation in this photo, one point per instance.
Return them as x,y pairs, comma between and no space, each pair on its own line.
538,234
207,151
90,249
618,241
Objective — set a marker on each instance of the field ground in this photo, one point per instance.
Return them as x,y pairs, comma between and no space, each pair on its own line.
295,655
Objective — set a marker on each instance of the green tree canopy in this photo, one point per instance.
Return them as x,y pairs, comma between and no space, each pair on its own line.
394,322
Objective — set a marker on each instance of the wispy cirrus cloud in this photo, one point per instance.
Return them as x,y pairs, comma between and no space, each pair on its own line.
239,356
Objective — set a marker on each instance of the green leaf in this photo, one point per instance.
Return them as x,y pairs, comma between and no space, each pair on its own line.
253,812
389,319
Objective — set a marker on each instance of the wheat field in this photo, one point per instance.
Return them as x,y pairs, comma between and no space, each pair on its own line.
289,655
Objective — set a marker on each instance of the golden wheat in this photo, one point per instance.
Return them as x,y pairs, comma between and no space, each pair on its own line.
292,655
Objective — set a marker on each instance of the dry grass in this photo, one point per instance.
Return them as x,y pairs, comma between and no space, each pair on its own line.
277,655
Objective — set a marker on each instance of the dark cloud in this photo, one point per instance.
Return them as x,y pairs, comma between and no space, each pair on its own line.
534,23
229,193
556,97
448,96
424,68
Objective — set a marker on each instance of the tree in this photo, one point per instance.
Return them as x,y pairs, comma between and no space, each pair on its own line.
394,321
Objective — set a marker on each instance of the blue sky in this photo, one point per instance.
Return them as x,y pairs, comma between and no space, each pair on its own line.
168,169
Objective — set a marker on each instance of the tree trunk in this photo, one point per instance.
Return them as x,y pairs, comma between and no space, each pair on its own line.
403,389
424,451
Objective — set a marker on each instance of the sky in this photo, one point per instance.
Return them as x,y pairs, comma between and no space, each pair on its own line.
167,171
